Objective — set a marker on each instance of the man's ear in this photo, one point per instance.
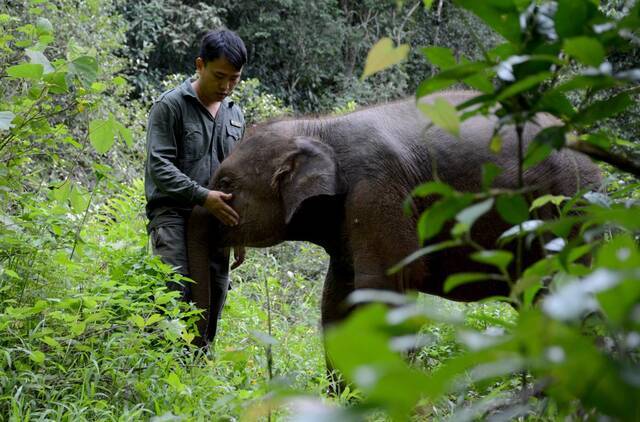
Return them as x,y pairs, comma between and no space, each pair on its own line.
199,64
309,170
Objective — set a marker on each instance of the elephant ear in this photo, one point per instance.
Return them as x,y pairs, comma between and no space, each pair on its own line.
307,171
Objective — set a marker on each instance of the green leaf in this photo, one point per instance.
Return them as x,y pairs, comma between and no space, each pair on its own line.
502,16
571,18
52,342
44,26
523,85
496,143
545,199
57,82
61,193
556,103
586,50
442,114
512,208
383,55
543,144
102,134
430,188
602,109
79,200
124,133
37,356
263,338
427,4
6,117
86,69
36,57
78,328
423,252
498,258
153,319
432,220
621,253
432,85
460,279
440,56
489,173
174,381
26,71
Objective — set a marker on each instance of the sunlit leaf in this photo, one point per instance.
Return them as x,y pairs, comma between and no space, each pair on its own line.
546,199
37,356
137,320
382,55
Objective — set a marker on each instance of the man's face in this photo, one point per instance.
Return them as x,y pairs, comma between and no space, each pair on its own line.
217,78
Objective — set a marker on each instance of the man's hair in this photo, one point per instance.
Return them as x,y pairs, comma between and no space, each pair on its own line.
223,43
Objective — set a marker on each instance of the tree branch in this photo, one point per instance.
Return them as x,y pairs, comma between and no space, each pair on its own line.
619,161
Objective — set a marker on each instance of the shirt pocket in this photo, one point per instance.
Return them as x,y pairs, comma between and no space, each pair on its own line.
233,136
194,143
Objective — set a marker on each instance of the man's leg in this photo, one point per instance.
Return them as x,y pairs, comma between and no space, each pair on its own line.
168,242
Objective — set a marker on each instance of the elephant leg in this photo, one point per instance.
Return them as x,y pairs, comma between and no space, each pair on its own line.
381,235
337,286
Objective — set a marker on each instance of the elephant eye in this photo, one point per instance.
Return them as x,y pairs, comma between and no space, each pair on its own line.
224,183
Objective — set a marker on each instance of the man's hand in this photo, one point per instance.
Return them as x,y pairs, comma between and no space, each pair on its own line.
216,204
238,256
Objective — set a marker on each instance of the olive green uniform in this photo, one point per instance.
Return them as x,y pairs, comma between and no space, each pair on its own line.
185,145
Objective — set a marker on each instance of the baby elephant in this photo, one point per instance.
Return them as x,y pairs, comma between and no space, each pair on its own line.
340,182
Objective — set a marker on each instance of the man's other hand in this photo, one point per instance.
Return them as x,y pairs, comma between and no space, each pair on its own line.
216,203
238,256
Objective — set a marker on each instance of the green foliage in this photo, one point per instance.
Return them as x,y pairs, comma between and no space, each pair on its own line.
88,330
577,352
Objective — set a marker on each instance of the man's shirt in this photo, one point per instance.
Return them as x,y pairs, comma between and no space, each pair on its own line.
185,145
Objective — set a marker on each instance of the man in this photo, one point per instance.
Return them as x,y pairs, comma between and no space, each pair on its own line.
191,129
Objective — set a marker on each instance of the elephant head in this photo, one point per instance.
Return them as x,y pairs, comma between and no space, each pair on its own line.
270,176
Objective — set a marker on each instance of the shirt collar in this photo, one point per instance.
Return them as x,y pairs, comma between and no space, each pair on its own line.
188,91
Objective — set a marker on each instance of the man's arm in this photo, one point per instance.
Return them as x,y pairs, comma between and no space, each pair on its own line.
162,156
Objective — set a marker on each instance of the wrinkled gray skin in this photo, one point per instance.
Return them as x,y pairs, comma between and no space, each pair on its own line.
340,182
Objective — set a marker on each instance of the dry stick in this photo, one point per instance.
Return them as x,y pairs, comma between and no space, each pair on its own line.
619,161
268,345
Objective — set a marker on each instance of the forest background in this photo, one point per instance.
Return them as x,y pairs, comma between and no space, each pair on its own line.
87,330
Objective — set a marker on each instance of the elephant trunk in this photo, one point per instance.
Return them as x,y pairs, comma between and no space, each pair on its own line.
199,235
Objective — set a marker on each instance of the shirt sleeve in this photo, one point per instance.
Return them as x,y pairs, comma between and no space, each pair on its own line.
162,156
